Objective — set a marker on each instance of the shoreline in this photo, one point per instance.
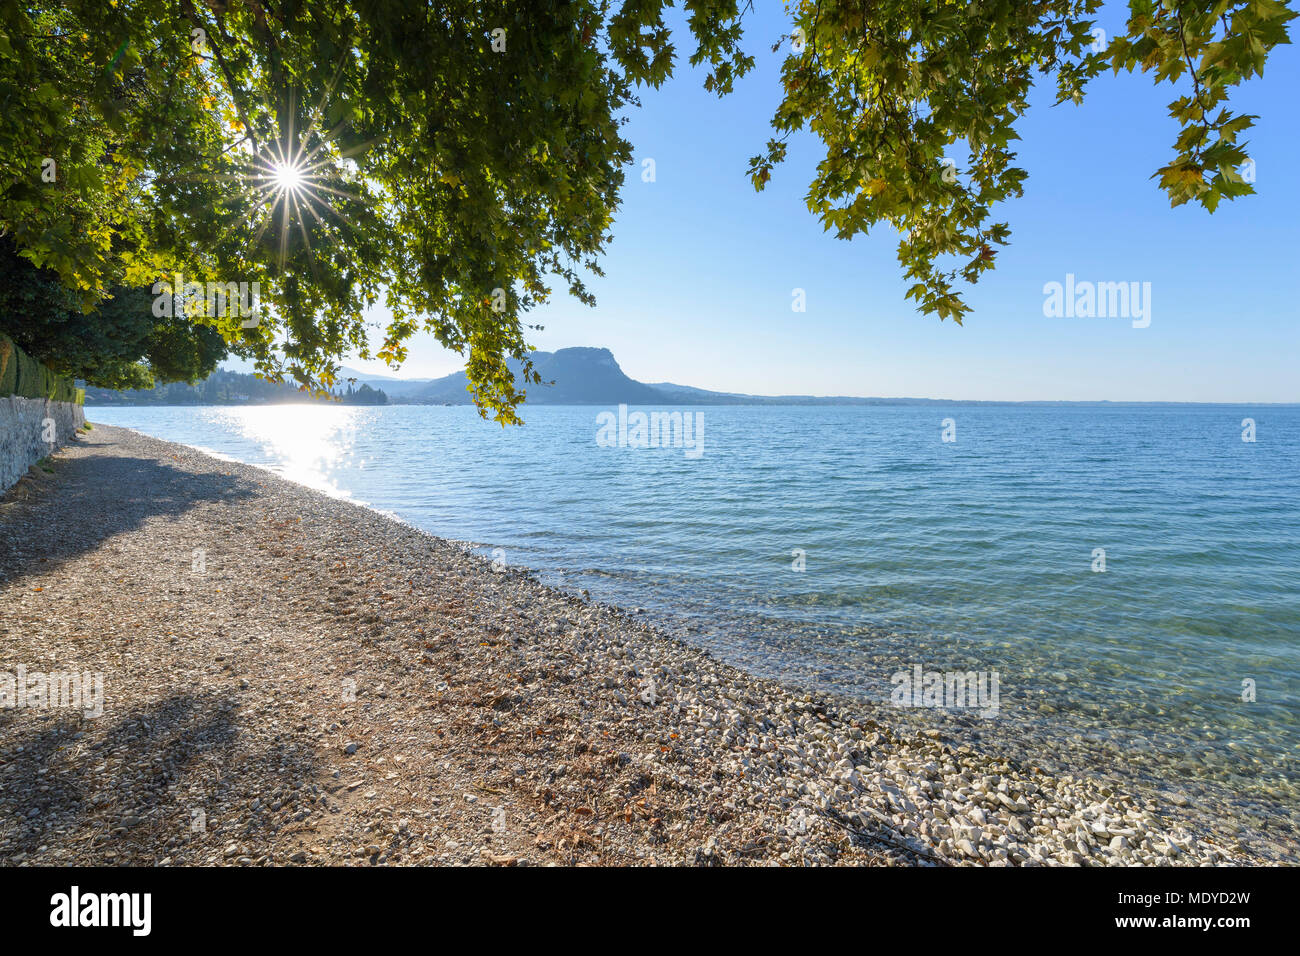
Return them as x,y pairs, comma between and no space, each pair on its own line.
492,718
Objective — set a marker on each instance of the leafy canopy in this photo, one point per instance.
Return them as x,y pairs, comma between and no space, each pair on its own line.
453,161
120,344
895,89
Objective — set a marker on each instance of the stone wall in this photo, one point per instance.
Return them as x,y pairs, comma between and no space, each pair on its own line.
25,426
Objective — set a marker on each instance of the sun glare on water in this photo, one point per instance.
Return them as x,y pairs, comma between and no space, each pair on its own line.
303,443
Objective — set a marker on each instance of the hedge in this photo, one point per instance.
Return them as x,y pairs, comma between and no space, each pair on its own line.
22,375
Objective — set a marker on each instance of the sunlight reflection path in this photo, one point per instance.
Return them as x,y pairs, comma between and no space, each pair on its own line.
305,443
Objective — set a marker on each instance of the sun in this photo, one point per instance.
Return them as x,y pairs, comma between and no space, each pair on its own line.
288,177
291,178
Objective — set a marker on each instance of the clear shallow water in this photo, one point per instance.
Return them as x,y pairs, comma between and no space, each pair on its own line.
971,555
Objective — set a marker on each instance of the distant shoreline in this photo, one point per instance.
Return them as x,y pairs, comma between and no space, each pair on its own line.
570,377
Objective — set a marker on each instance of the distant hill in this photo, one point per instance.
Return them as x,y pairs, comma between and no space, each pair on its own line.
688,395
580,376
576,376
591,376
393,387
573,376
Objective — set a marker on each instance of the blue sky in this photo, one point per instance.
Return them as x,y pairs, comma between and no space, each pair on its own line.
700,274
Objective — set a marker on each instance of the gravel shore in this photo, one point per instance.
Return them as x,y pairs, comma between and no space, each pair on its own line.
293,679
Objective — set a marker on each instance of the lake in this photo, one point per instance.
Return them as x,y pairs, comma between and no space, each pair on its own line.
1130,572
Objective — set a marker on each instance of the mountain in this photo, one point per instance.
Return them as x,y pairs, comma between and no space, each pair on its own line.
591,376
393,387
576,376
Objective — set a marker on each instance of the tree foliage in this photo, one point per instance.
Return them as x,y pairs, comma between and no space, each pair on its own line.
120,344
460,158
917,105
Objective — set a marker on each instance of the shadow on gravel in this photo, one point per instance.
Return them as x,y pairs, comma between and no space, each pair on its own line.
99,493
134,787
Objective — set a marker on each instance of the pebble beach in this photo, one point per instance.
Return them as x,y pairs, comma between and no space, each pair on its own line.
293,679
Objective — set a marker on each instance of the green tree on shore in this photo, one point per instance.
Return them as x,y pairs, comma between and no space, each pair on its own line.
226,387
454,161
120,344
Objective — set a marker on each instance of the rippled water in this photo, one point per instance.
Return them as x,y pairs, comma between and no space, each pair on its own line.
976,554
